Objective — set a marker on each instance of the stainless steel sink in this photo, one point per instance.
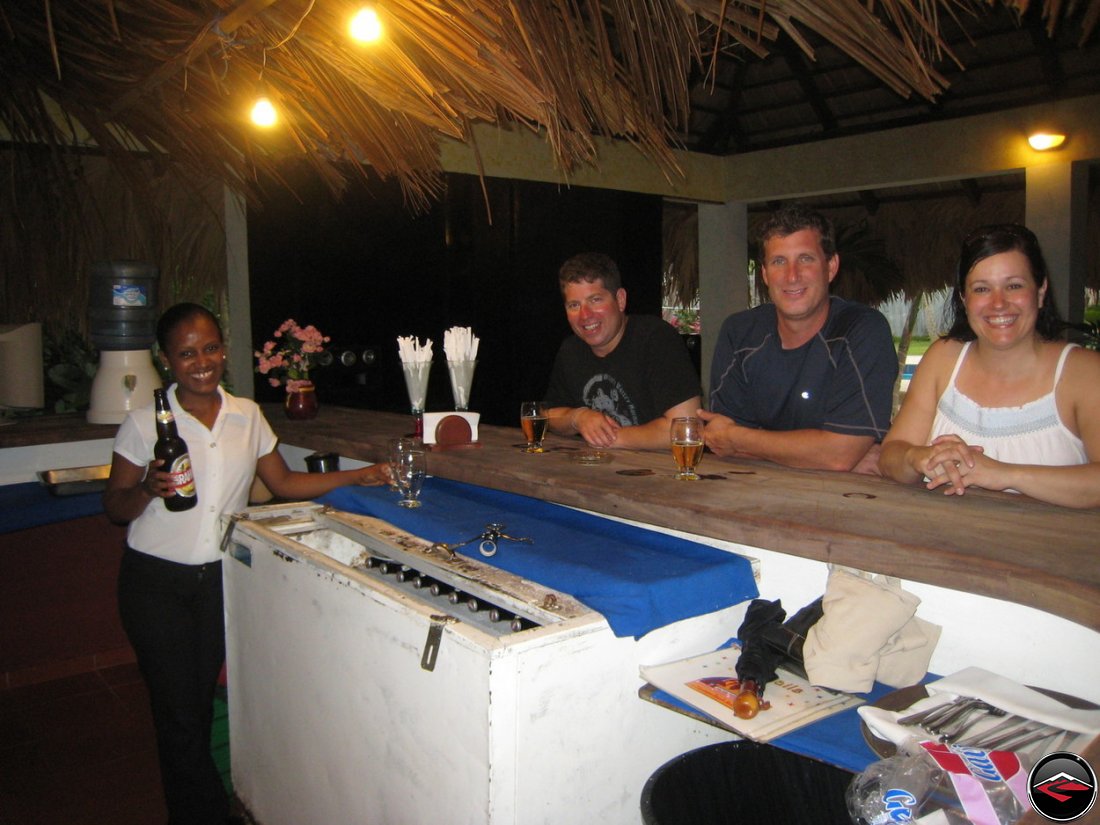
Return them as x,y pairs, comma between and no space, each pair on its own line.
71,481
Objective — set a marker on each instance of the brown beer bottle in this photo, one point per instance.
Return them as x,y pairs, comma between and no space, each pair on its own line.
173,450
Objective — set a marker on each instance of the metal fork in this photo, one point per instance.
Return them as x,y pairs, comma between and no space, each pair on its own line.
937,714
966,721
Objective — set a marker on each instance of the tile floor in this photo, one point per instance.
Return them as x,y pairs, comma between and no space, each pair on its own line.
80,751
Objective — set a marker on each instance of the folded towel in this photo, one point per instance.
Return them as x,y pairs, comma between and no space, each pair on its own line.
862,613
904,658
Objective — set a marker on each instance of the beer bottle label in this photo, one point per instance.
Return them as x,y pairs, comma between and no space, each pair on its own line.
183,479
165,417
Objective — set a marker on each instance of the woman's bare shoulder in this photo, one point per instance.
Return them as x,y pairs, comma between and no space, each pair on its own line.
1082,367
942,354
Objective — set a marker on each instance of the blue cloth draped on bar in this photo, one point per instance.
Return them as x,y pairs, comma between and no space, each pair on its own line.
28,505
637,579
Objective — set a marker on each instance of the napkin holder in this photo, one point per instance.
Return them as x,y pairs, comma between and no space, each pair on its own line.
449,430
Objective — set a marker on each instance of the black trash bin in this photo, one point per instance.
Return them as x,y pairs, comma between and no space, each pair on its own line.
735,783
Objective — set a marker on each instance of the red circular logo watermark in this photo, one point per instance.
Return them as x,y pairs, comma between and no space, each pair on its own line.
1061,787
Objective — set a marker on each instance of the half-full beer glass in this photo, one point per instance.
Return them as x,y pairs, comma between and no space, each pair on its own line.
686,435
534,417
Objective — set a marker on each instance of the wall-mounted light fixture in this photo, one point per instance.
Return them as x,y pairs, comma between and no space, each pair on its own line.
365,26
1041,141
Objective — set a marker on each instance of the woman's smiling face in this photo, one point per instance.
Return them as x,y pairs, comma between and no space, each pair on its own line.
195,354
1002,299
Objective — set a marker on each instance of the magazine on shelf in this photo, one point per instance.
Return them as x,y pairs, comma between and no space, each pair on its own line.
709,684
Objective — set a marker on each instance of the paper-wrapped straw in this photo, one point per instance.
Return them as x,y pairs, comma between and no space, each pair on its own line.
412,351
460,344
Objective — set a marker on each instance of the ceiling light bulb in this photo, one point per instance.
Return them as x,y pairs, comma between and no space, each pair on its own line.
366,26
263,113
1041,141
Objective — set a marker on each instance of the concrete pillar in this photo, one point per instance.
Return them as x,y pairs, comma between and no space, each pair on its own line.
240,313
723,272
1056,210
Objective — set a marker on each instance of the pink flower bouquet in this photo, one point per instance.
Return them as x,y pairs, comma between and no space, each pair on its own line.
291,355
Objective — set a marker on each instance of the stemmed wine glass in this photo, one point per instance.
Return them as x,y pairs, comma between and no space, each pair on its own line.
398,446
534,417
686,435
410,465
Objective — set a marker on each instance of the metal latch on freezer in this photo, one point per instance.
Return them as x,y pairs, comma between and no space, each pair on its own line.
243,554
435,638
494,532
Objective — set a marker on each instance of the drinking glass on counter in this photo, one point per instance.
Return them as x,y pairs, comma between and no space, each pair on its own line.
410,465
534,417
398,446
686,435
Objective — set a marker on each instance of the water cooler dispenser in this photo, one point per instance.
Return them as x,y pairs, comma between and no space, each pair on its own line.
122,320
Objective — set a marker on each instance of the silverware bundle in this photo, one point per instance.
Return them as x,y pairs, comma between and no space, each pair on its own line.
972,723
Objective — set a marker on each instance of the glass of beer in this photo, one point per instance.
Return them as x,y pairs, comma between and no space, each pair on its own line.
534,418
686,435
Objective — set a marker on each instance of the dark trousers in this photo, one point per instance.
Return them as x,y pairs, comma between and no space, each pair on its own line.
173,616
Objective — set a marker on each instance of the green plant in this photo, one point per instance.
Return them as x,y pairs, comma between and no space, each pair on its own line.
70,365
1088,333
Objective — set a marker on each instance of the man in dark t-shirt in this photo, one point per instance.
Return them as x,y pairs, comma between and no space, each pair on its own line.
806,380
620,379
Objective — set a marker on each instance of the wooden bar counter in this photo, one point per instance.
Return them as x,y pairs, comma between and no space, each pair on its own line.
992,544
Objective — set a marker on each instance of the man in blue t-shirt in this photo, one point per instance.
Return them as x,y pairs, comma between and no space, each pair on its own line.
620,379
806,380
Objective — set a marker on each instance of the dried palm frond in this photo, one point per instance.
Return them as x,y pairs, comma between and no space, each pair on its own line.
174,78
161,88
867,272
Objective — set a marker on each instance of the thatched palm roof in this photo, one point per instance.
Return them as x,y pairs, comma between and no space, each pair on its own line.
175,78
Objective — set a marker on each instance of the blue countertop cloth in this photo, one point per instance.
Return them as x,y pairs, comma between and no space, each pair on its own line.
637,579
23,506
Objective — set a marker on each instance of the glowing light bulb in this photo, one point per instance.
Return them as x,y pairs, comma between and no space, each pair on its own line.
366,26
1041,141
263,113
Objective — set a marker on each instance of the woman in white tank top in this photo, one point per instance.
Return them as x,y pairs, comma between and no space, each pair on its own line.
1000,402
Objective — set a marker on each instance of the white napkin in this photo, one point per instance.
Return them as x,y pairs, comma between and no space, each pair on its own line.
412,351
1016,698
994,689
460,344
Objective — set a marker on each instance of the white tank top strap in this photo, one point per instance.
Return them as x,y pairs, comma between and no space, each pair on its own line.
958,363
1062,362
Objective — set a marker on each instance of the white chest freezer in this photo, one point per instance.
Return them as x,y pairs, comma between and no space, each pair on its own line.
365,687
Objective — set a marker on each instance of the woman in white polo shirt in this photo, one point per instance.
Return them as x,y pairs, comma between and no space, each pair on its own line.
170,589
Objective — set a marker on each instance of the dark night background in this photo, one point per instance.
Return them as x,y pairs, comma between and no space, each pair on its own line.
364,270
